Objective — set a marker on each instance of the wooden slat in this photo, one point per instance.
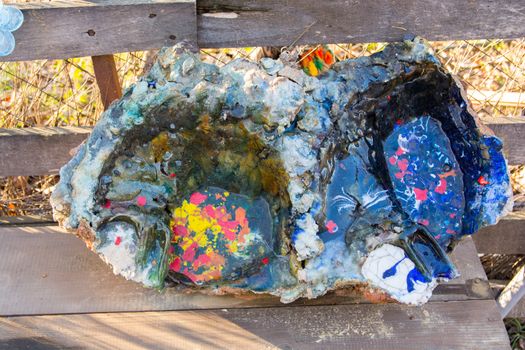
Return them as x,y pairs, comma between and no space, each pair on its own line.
237,23
507,237
107,79
438,326
512,131
37,151
46,271
74,28
47,149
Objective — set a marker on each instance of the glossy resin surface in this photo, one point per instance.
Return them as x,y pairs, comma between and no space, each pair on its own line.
257,177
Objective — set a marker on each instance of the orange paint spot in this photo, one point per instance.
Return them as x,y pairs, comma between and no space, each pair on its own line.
482,181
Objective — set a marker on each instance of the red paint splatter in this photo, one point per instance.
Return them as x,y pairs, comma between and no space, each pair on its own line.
403,164
197,198
399,151
421,195
173,175
399,122
423,222
189,253
331,226
442,187
265,261
180,231
482,181
203,259
118,240
141,201
175,265
107,205
392,160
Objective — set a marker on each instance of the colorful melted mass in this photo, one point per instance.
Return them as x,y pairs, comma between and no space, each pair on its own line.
258,177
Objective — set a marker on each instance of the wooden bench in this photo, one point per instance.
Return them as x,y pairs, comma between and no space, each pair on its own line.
54,293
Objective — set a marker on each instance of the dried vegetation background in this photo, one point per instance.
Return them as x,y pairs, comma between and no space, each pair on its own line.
64,93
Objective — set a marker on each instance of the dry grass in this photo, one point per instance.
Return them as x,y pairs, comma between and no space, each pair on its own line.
64,92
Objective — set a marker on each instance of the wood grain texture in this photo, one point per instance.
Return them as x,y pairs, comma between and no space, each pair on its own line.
38,151
507,237
437,326
238,23
46,271
47,149
74,28
107,79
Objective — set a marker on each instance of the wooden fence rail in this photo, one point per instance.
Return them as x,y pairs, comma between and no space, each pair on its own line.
73,28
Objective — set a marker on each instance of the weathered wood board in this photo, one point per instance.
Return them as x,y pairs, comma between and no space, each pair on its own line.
38,151
74,28
237,23
46,271
469,325
45,150
507,237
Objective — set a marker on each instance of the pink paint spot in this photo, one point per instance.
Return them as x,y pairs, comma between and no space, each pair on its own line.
451,232
399,151
442,187
107,205
197,198
203,259
438,236
453,215
175,265
118,240
141,201
342,166
389,97
392,160
173,175
421,195
400,175
265,261
189,253
403,164
423,222
180,231
482,181
172,249
331,226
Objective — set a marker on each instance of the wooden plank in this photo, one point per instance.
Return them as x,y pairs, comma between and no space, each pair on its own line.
511,99
37,151
507,237
107,79
85,28
74,28
437,326
238,23
511,130
46,271
512,293
47,149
